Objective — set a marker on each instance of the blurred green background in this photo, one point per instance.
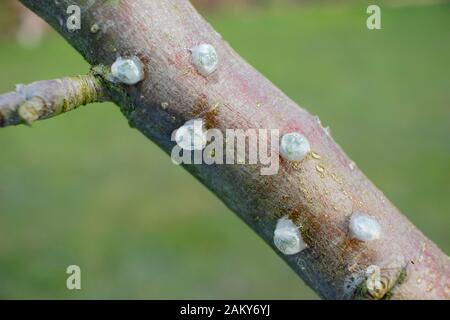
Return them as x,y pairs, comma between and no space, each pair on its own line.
85,189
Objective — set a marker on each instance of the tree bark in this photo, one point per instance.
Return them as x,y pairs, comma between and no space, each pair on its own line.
318,194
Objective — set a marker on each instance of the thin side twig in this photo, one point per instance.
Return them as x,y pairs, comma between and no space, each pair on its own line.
48,98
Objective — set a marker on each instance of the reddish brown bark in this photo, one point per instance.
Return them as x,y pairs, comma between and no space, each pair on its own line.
320,193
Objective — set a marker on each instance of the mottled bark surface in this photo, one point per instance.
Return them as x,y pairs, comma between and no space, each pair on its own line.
319,193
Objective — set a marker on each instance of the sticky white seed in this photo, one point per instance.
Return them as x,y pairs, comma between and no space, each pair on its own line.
287,237
192,135
364,227
128,71
294,146
205,59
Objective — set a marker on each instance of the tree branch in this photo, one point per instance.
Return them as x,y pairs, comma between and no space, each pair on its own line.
320,194
46,99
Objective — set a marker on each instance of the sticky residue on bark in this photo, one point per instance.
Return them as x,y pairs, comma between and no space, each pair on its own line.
364,228
287,237
191,135
127,70
294,146
205,59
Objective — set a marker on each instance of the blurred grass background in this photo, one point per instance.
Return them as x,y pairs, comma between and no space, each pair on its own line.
85,189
